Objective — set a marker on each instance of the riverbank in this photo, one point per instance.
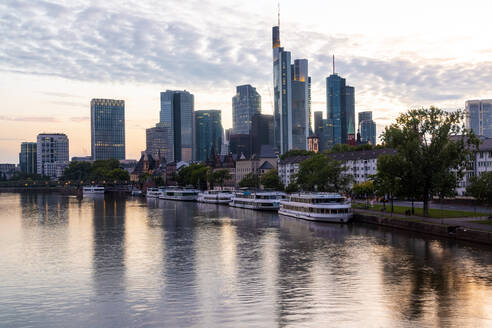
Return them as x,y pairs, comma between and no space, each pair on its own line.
465,229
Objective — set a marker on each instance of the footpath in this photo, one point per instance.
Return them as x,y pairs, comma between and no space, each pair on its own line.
455,228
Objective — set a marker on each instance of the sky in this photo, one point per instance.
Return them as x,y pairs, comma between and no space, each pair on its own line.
55,56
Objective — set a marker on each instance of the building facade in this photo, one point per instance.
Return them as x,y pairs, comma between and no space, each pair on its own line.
261,132
208,133
318,123
107,129
245,104
367,128
479,117
482,162
7,170
340,102
52,154
301,111
177,109
240,144
28,158
158,142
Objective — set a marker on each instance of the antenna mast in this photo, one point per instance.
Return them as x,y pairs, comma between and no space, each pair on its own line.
333,64
279,14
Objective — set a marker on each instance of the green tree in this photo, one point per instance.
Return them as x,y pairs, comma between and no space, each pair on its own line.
481,187
77,171
296,152
323,174
220,176
119,175
435,146
292,187
271,180
387,181
250,180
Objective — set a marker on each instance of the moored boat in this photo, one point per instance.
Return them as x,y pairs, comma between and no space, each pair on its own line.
176,193
92,190
324,207
215,197
153,192
257,200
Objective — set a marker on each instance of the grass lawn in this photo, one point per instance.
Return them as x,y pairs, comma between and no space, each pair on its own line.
433,212
489,222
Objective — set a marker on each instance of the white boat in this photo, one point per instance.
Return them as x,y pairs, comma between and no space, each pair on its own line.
215,197
176,193
153,192
324,207
257,200
92,190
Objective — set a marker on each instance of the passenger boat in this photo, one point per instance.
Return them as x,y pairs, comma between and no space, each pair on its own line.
176,193
153,192
215,197
324,207
92,190
257,200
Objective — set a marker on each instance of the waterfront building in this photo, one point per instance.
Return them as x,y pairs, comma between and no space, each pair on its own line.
245,104
292,98
481,162
208,133
158,142
52,154
265,161
367,128
7,170
28,157
107,129
340,102
261,132
82,159
479,117
288,168
177,109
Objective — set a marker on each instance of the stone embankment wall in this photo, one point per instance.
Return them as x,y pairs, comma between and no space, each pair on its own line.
441,230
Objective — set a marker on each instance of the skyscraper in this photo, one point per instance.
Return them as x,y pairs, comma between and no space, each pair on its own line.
28,157
340,102
245,104
208,133
367,128
52,154
158,142
177,113
479,116
261,132
318,123
292,99
107,129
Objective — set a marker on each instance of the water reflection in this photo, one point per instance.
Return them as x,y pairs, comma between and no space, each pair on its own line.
143,263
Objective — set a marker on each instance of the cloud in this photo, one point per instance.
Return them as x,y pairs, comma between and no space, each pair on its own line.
46,119
174,43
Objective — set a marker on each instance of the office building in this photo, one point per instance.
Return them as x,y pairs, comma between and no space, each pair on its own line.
158,142
245,104
340,102
240,144
107,129
318,123
177,109
28,158
479,117
367,128
7,170
292,98
52,154
261,132
208,133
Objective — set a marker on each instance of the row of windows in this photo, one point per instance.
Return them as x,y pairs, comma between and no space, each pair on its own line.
316,210
316,200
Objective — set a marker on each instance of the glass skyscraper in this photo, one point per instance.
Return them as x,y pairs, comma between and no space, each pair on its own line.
245,104
177,109
208,133
261,132
479,117
340,102
367,128
292,98
28,157
157,142
107,129
318,123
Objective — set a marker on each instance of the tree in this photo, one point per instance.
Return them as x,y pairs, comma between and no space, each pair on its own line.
296,152
220,176
481,187
387,181
363,189
322,174
77,171
271,180
119,175
250,180
195,175
435,146
292,187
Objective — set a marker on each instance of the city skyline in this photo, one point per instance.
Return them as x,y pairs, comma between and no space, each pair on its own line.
43,96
